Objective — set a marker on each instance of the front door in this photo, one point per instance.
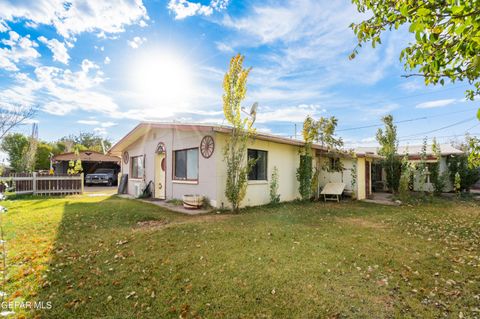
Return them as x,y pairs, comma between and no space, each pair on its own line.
160,166
367,179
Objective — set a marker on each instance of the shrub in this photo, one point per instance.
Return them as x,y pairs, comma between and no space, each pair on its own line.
467,175
304,176
274,196
438,180
405,180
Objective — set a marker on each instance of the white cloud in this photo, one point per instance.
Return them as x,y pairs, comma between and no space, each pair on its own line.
4,26
88,122
58,49
380,111
108,124
22,50
72,18
224,47
100,130
288,114
60,92
184,8
412,86
307,44
435,103
106,60
136,42
97,123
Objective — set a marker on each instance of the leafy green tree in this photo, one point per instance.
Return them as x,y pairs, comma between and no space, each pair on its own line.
422,168
405,177
474,152
84,141
467,175
59,147
387,138
16,146
235,151
438,180
31,154
325,129
447,37
305,169
42,160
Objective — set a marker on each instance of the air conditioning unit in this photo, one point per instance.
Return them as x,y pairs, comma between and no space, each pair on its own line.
137,189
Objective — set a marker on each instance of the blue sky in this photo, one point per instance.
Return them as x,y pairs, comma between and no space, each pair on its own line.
92,66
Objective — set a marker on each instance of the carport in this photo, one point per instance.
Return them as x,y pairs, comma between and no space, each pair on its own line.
91,161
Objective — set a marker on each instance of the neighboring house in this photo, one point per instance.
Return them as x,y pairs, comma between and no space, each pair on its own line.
91,161
181,159
414,156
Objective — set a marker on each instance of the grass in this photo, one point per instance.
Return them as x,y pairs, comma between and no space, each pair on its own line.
106,257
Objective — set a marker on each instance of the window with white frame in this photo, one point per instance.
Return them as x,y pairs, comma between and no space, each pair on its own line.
137,167
186,164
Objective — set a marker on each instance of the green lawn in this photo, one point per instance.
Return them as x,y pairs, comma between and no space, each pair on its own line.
99,257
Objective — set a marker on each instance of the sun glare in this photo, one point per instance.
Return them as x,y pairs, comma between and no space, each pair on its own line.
162,80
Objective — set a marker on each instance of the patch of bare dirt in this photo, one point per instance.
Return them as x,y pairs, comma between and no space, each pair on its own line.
208,218
151,224
159,224
361,222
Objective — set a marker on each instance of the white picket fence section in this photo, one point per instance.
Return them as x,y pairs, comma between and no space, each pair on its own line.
42,184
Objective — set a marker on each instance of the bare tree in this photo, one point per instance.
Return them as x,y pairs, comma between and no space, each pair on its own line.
12,115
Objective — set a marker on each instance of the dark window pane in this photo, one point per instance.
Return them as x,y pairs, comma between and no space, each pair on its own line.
262,165
259,170
181,164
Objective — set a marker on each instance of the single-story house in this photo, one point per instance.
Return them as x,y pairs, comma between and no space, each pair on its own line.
414,153
91,161
181,159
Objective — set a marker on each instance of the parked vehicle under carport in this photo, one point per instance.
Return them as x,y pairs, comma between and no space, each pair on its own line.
91,161
102,176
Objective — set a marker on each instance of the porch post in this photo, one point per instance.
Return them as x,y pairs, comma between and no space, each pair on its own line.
81,176
34,183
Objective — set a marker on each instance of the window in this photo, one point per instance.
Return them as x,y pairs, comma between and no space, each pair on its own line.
335,164
259,170
186,164
137,167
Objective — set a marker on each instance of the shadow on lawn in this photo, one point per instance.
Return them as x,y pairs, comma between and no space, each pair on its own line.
90,240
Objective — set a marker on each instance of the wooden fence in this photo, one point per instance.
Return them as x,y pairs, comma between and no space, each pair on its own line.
43,184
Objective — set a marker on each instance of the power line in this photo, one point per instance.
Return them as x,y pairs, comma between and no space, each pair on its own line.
439,129
440,137
403,121
378,125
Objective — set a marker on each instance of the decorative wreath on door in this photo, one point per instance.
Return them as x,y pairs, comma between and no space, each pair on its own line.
207,146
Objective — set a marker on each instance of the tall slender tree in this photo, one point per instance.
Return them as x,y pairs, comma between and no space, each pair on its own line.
235,151
387,138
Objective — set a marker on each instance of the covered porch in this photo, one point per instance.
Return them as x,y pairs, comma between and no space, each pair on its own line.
354,170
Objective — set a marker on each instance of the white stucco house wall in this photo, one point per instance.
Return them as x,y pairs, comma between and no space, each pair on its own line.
181,159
